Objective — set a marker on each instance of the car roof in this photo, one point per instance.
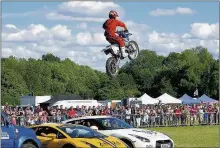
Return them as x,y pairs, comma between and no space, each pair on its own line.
48,124
56,125
88,117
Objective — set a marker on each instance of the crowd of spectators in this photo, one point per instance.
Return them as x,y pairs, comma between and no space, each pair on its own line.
144,115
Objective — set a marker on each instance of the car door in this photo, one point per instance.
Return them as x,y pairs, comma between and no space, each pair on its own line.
87,135
7,134
45,141
58,142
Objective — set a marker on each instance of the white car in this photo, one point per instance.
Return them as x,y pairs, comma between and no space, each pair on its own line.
133,137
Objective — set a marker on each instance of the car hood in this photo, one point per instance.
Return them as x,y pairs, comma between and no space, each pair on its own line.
140,132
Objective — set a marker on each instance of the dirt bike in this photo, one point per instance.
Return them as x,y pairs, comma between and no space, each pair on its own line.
112,63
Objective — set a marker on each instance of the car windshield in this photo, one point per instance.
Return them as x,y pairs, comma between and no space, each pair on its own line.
113,123
80,132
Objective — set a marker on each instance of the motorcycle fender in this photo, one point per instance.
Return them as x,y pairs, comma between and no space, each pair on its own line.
115,49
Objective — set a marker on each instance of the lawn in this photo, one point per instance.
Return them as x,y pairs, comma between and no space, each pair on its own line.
192,136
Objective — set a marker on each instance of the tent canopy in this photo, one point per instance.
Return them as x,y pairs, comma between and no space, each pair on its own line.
186,99
205,98
167,99
191,101
185,96
146,99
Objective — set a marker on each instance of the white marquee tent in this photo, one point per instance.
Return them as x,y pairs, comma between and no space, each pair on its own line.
146,99
80,103
168,99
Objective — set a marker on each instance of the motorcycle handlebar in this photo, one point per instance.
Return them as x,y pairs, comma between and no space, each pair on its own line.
118,32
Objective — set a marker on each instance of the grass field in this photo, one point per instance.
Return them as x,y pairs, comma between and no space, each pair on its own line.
192,136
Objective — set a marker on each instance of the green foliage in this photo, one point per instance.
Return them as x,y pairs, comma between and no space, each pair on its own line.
50,58
176,74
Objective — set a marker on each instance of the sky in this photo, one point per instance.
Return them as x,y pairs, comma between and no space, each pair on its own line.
74,29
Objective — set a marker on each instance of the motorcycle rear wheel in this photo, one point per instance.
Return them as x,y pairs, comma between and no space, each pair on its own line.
112,68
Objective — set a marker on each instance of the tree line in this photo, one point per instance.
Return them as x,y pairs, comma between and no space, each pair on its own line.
175,74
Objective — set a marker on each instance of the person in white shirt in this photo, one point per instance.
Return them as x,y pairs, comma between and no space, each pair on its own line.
201,114
128,115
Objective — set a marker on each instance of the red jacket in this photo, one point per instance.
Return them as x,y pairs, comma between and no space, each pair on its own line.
111,24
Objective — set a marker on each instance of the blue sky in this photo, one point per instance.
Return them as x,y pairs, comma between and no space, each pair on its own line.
135,11
185,23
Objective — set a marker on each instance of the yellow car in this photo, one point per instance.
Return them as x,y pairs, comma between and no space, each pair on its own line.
74,136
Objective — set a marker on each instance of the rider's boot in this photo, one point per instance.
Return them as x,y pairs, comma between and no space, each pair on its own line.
123,52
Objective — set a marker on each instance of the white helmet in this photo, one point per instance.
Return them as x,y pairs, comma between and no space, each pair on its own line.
94,128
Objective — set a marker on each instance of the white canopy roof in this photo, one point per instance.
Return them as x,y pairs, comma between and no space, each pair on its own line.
146,99
80,103
168,99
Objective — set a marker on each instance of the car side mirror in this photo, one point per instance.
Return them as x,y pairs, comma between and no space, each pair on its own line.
7,123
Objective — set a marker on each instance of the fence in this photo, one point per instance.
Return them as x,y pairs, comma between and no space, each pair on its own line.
159,120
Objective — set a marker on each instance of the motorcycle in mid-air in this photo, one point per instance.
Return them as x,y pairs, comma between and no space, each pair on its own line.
112,63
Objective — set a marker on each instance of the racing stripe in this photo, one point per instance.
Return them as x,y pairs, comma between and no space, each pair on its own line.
91,145
107,141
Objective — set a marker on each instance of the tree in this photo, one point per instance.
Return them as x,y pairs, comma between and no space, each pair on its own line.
50,58
176,74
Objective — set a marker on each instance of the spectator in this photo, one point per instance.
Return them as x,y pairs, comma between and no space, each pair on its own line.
71,113
128,115
140,115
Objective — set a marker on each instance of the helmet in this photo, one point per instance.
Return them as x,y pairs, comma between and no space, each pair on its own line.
113,14
94,128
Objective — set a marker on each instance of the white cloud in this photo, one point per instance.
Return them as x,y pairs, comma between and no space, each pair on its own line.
57,16
186,36
164,43
87,38
171,12
181,10
20,51
139,32
84,46
10,26
88,11
37,32
61,32
82,25
205,30
162,38
84,38
90,8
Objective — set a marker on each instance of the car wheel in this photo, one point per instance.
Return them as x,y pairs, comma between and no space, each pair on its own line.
129,144
28,145
68,146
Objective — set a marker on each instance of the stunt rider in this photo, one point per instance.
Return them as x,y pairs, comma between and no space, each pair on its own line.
110,29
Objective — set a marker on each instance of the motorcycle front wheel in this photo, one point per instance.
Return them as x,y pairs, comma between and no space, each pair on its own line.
112,67
133,50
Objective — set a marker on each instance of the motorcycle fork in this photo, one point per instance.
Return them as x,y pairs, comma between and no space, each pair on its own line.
118,61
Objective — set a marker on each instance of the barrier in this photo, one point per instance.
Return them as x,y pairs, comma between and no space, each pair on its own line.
144,120
171,119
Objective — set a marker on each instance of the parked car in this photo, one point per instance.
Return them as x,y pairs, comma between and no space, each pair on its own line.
133,137
74,136
13,136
